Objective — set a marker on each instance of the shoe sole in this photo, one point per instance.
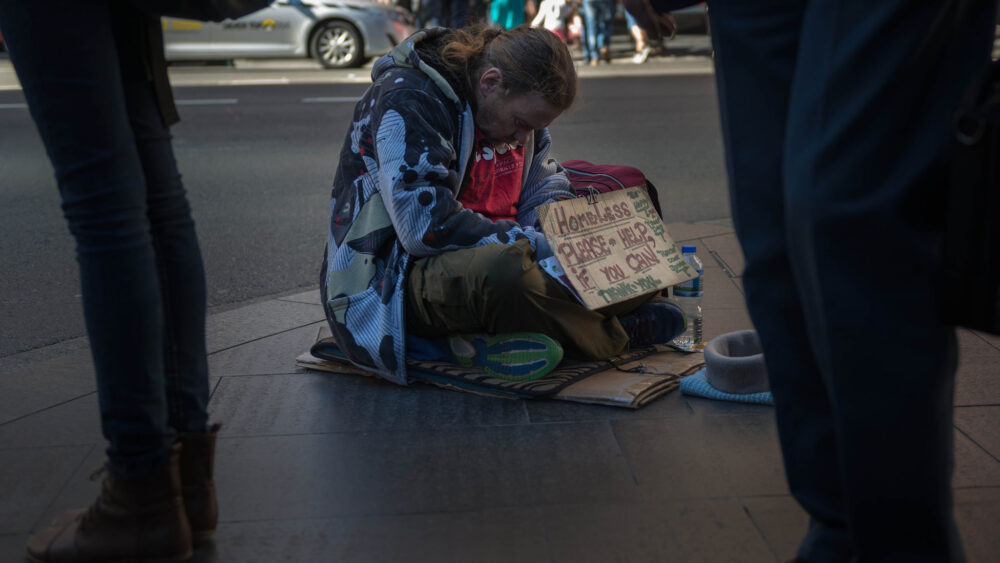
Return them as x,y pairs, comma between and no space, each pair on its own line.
516,357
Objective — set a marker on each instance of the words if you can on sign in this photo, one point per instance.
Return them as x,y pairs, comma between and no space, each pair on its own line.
613,246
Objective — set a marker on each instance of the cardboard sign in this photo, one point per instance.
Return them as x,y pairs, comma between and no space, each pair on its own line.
613,246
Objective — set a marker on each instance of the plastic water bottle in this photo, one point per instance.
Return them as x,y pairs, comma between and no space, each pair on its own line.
688,296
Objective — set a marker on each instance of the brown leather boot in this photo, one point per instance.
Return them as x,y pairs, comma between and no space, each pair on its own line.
197,467
134,520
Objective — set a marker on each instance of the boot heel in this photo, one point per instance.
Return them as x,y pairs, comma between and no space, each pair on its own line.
197,468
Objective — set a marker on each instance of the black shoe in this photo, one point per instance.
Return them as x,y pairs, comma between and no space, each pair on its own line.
656,322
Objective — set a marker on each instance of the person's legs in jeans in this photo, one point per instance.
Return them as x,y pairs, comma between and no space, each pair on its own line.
867,131
607,24
179,266
592,29
78,104
638,35
756,47
597,18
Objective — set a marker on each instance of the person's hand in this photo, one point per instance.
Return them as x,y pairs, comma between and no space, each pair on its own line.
542,248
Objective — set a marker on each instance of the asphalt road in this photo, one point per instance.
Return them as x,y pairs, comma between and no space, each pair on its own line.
258,162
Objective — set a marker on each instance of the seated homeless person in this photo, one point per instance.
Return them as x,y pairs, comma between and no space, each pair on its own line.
434,227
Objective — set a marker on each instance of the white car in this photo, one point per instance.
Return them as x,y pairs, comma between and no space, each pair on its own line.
337,33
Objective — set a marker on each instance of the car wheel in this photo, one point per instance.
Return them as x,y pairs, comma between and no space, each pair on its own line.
337,44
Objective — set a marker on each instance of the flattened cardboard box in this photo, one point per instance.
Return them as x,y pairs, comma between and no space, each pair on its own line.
629,384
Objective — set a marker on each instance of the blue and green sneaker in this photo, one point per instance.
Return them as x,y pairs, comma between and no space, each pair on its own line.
514,356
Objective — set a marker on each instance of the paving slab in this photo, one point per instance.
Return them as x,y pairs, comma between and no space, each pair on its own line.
311,297
976,513
704,456
684,233
77,489
712,407
721,321
726,247
780,520
978,369
313,403
722,291
38,355
266,355
246,324
366,473
31,478
692,531
982,426
12,547
31,388
500,535
73,423
991,339
974,466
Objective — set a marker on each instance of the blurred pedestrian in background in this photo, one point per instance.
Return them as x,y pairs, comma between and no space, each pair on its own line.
104,115
509,14
654,22
449,13
638,37
598,23
836,120
552,15
478,10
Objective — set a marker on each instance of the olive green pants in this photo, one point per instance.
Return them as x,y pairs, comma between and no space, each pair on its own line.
499,288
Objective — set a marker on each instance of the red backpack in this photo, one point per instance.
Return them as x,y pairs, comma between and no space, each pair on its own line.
589,179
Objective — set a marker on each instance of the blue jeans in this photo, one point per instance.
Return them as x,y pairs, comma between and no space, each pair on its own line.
598,25
834,140
141,272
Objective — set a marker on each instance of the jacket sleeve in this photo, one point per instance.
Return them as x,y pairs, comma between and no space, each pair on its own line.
417,160
546,182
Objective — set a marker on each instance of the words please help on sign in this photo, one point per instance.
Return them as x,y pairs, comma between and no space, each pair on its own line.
613,246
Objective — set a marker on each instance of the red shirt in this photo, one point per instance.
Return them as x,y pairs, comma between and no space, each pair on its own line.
494,185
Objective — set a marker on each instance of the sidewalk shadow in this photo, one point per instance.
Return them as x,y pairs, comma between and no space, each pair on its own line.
205,553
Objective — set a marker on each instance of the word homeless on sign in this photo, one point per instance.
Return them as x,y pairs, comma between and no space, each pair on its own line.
590,218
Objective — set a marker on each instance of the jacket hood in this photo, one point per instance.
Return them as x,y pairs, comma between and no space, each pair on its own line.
418,51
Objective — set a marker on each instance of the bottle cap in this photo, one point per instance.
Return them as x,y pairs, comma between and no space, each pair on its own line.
688,248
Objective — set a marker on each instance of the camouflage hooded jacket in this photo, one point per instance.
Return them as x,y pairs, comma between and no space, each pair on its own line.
394,200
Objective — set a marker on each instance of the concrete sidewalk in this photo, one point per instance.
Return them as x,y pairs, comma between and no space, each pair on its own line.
322,467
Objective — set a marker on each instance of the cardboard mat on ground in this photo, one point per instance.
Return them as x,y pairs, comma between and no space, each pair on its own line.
630,381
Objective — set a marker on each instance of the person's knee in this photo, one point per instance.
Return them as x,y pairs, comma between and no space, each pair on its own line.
108,219
169,210
512,273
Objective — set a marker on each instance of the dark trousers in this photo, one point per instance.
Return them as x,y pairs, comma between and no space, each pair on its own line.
141,272
834,141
